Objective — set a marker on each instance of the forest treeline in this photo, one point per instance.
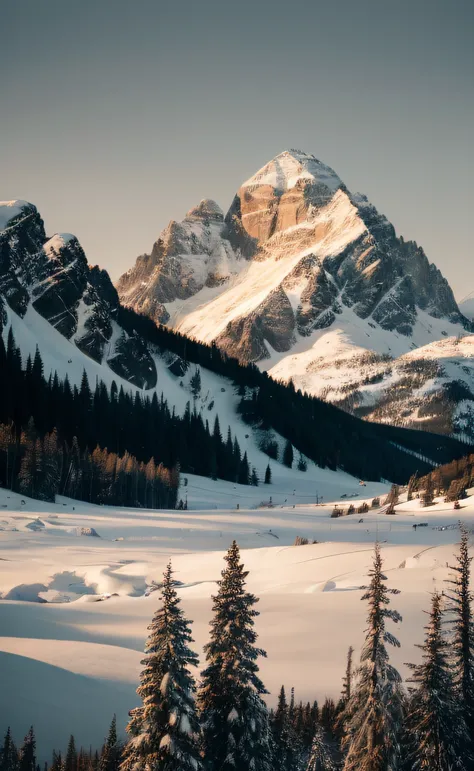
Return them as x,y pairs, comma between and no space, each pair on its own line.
103,445
223,724
128,448
321,431
451,479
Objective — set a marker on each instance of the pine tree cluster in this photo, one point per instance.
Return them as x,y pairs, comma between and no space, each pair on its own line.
102,446
451,480
317,429
109,758
223,723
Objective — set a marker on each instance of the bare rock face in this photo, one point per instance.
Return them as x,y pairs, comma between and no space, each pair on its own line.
282,195
272,322
79,301
187,257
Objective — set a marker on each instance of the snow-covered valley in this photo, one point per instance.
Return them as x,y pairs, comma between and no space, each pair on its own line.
75,606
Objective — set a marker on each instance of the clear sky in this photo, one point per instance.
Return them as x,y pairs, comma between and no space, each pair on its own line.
119,115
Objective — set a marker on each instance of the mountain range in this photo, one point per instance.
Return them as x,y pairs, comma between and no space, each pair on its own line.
53,303
312,283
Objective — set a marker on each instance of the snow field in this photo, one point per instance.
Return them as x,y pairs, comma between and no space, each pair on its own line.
72,661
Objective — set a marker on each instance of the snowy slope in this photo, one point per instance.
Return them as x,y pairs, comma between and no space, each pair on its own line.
218,397
74,660
260,278
430,385
466,306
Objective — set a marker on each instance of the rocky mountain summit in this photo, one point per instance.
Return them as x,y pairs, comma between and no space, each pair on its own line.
187,257
295,249
302,276
80,301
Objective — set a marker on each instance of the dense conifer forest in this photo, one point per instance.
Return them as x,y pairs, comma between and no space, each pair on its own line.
222,723
104,445
329,436
100,445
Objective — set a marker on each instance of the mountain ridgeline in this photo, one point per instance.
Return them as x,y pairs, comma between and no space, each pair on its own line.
313,284
125,413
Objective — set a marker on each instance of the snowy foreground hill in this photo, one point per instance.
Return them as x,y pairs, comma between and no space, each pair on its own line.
76,605
311,282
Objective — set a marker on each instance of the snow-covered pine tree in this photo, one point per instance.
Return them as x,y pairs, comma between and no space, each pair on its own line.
285,750
8,754
435,722
27,760
268,475
462,624
288,454
234,717
112,751
165,730
374,713
195,383
321,757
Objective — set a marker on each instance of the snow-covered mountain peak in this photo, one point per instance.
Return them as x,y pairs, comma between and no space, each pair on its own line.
11,210
292,168
303,276
207,209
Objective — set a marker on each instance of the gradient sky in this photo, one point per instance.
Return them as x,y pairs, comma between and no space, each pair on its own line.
119,115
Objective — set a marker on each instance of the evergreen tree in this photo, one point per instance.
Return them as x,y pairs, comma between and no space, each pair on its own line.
347,682
165,729
288,454
195,383
244,470
302,464
83,760
70,763
254,477
284,749
57,762
8,754
328,717
462,642
233,715
435,722
373,715
427,496
27,760
112,750
321,757
268,475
